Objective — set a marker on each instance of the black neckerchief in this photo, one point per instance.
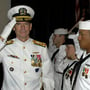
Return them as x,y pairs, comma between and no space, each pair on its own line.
54,54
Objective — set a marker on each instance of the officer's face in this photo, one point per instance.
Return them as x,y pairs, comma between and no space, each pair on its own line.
22,29
84,39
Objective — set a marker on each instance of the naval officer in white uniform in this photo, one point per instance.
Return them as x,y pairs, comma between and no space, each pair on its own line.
26,63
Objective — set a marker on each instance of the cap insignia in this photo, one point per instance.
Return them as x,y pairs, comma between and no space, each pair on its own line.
22,11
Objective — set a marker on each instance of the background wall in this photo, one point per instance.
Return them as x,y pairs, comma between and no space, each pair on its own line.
4,6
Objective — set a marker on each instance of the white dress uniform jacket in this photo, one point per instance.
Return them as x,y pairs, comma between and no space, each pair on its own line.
24,64
83,79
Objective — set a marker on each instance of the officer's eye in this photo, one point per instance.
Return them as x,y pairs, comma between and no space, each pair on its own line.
18,23
26,23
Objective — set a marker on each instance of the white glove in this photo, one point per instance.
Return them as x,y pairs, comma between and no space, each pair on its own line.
8,28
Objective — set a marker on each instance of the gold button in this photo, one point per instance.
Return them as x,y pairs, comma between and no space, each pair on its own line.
25,59
11,62
23,47
25,71
25,83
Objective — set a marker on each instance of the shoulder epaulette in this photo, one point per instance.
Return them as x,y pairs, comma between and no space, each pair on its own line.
39,43
9,42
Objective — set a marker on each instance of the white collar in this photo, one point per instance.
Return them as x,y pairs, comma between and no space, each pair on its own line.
22,43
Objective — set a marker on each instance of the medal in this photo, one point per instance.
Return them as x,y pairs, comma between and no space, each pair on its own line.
36,59
85,72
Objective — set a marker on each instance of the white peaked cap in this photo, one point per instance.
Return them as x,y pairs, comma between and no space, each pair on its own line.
60,31
84,25
15,10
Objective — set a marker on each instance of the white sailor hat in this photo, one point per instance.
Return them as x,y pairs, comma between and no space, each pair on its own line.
60,31
21,13
84,25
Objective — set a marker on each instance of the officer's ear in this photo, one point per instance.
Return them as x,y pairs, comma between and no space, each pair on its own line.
30,26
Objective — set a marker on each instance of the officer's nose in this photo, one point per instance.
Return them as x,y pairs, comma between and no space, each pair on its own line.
22,26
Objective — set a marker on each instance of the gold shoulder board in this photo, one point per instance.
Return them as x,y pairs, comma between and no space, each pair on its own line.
39,43
9,42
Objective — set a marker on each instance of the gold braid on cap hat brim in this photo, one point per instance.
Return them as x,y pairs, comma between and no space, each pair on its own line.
23,18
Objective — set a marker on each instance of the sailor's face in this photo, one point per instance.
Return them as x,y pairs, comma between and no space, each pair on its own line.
84,39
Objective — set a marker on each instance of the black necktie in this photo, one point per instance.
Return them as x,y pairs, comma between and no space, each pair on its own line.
54,54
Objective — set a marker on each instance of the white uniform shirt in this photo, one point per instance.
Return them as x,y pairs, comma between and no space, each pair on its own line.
67,84
60,57
83,79
21,71
57,62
